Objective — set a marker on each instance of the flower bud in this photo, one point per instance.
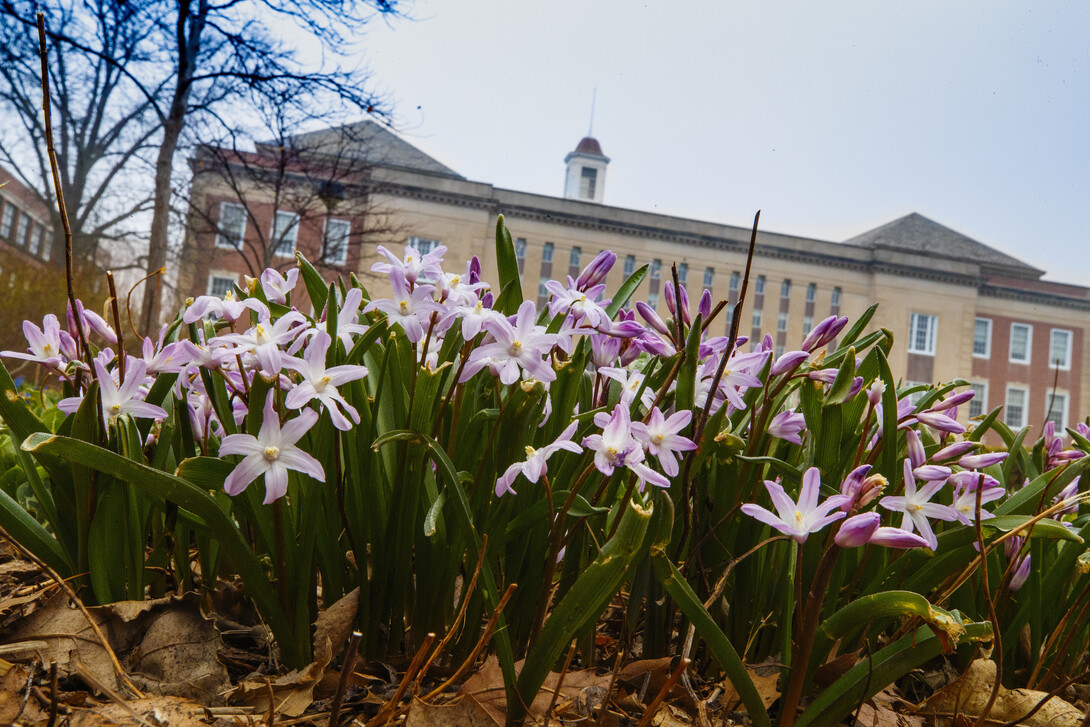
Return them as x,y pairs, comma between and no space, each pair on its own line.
953,451
875,391
980,461
596,271
704,307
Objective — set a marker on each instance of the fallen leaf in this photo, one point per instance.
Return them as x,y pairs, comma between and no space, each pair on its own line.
875,715
159,711
968,696
463,712
167,640
12,691
292,693
765,678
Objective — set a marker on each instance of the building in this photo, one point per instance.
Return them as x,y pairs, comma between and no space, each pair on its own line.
26,233
957,308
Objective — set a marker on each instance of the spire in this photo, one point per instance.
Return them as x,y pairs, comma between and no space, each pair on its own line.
590,127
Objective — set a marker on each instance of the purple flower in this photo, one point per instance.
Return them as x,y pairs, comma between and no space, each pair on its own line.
866,528
616,447
648,314
228,307
535,465
704,307
788,425
788,362
116,399
965,503
953,451
583,305
797,519
276,287
517,348
265,339
660,437
980,461
46,343
320,383
824,332
932,473
407,305
414,266
271,453
940,422
916,451
595,273
917,507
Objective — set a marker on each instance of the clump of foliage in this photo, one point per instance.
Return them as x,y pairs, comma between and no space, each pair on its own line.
482,468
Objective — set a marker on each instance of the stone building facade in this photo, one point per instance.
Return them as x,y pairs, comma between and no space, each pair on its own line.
957,307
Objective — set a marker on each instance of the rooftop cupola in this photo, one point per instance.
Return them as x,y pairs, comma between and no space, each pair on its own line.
586,171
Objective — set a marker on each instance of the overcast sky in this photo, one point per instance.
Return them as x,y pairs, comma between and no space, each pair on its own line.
832,118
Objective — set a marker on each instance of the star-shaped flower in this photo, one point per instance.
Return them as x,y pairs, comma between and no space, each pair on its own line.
802,518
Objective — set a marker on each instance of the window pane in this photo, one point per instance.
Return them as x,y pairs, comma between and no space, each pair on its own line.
759,288
735,280
547,253
220,286
836,296
811,292
683,274
285,233
1060,349
588,182
921,334
629,266
232,225
520,254
979,403
785,289
336,241
807,325
709,277
656,269
1015,411
781,324
982,337
1056,410
6,220
758,317
1021,335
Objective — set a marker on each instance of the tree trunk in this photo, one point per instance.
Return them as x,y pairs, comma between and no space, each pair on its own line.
160,222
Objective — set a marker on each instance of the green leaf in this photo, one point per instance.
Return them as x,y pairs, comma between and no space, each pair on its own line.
720,647
316,287
433,514
508,268
872,675
857,328
29,533
624,293
838,392
582,604
190,497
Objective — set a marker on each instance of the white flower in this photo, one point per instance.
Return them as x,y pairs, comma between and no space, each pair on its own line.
321,383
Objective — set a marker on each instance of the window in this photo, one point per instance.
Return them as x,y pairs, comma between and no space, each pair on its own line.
759,288
656,269
837,293
285,233
683,274
542,293
1056,410
1014,414
336,241
982,338
978,405
6,220
730,317
20,230
807,325
232,226
588,182
573,261
781,323
785,289
709,277
779,351
735,280
423,245
653,300
629,266
547,253
758,317
220,285
921,333
35,239
1021,342
47,247
1059,347
520,254
811,292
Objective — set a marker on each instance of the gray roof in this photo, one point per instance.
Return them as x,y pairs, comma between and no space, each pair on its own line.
367,141
918,234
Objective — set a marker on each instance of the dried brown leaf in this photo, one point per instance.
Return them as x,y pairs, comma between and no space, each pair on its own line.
968,696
